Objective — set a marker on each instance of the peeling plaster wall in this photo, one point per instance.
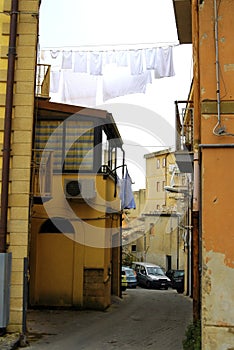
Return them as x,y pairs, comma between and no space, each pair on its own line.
217,300
218,252
217,175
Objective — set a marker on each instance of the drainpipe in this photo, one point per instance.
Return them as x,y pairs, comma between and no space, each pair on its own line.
196,176
7,125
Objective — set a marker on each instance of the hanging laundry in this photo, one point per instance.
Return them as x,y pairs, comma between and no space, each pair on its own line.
118,81
79,88
54,54
136,62
110,57
96,63
80,62
54,80
67,60
126,193
164,59
52,57
150,58
122,58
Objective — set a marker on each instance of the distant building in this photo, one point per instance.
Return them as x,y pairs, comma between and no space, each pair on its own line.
156,231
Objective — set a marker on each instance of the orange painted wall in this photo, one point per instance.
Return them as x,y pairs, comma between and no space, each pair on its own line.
217,174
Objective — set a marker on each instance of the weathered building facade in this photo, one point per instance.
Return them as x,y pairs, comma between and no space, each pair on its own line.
165,211
18,31
212,137
65,260
75,235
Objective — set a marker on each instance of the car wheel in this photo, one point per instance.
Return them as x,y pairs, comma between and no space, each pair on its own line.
148,284
180,291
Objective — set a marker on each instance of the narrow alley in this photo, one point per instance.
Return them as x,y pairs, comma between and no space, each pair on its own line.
142,319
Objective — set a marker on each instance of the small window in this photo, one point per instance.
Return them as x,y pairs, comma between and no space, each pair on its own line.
164,162
158,163
134,248
158,186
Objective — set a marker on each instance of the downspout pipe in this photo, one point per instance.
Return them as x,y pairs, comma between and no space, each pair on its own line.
217,64
196,282
7,126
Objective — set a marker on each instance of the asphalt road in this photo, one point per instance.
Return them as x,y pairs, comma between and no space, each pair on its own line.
142,319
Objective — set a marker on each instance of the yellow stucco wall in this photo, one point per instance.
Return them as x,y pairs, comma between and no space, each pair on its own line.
217,177
21,141
76,269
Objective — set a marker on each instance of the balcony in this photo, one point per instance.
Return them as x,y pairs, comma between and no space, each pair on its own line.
43,81
184,135
42,166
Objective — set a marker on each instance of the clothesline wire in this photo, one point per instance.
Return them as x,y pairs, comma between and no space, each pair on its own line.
89,48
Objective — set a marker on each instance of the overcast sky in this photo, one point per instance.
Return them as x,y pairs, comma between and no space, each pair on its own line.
106,22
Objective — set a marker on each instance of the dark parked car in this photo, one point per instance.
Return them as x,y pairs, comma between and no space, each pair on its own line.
151,275
177,279
131,276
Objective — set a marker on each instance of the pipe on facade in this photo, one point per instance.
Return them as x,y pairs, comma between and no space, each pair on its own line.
216,145
217,67
196,283
7,125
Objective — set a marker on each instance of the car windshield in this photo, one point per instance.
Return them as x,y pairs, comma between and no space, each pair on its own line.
155,271
129,272
179,273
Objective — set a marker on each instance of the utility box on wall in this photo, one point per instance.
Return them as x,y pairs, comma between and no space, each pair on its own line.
5,281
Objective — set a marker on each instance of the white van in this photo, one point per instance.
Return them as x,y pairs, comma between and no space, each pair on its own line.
151,275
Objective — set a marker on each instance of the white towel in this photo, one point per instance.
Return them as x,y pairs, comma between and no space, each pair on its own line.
120,82
79,88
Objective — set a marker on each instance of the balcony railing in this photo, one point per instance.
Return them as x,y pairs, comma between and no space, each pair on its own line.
43,80
184,125
42,167
184,135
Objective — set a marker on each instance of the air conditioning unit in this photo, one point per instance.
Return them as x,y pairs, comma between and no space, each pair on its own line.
79,189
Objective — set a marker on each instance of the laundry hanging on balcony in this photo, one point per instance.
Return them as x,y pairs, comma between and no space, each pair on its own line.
126,193
91,77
